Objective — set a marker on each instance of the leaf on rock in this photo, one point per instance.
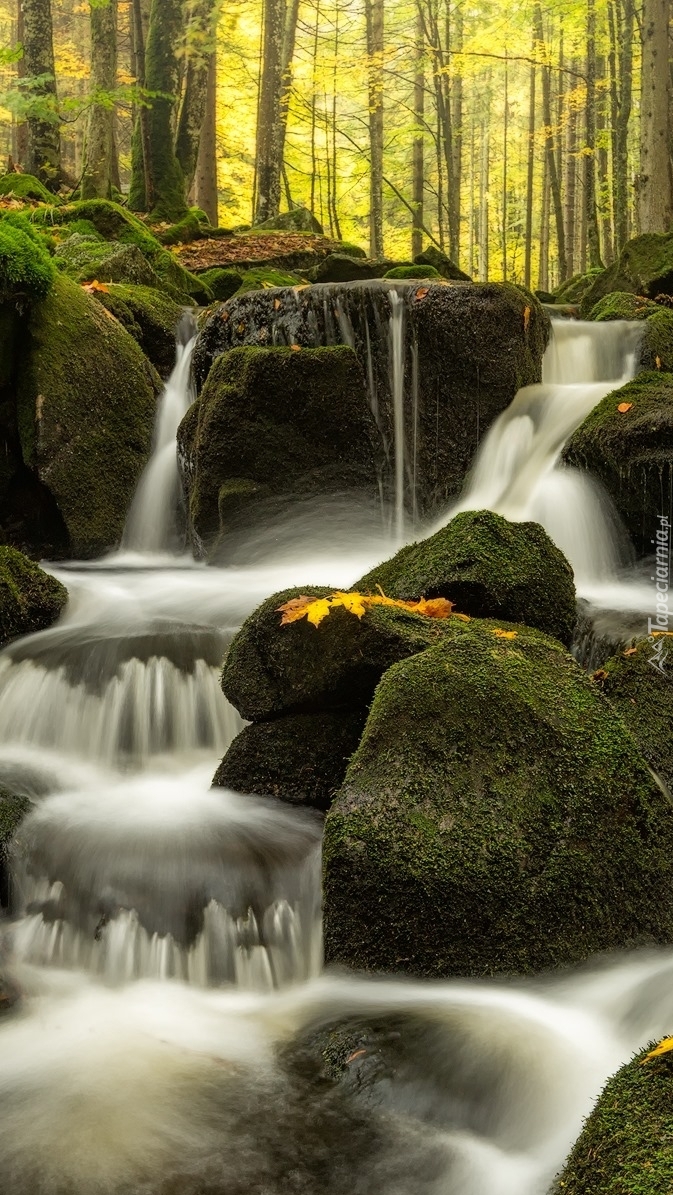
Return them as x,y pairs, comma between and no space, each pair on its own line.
505,634
314,610
664,1047
294,609
92,287
599,674
658,362
624,407
422,292
296,348
630,651
526,318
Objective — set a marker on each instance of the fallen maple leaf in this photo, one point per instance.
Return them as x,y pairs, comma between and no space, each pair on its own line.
600,674
664,1047
630,651
505,634
294,609
422,292
526,318
92,287
624,406
314,610
658,362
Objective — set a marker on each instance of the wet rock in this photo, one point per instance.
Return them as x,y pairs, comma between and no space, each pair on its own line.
495,818
300,758
625,1143
489,568
656,347
84,416
637,683
222,283
631,452
432,256
574,289
270,424
13,809
341,267
459,352
152,318
644,267
30,599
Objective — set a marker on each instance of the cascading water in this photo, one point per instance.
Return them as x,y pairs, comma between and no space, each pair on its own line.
166,943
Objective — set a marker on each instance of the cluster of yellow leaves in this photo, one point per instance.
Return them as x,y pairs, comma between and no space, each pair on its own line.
505,634
314,610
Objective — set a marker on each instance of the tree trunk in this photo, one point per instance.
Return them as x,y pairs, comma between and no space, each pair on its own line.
484,183
21,148
571,185
419,119
44,138
269,165
141,185
455,44
593,233
505,165
603,165
99,149
554,181
530,177
655,192
623,99
200,43
374,18
543,269
163,180
205,180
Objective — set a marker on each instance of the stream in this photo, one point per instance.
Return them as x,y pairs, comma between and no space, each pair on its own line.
166,936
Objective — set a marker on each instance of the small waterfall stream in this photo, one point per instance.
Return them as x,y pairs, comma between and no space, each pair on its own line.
166,937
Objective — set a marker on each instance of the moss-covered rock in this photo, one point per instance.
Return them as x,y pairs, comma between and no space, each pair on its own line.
432,256
418,271
26,186
301,758
637,683
574,289
264,278
272,669
489,568
85,259
194,225
30,599
300,219
342,267
85,414
631,452
295,423
222,283
496,817
656,347
625,1145
13,809
151,317
644,267
26,269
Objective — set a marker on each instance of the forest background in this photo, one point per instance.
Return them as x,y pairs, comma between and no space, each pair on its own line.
529,141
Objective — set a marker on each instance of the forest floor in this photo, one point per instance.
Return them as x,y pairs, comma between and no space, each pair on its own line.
293,250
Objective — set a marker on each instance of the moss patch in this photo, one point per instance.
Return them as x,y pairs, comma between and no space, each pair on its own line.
656,349
30,599
496,817
419,271
626,1145
631,452
263,278
222,283
488,567
26,186
26,269
644,267
85,414
84,260
643,697
151,318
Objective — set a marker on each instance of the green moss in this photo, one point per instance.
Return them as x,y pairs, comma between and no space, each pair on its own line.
623,305
189,228
85,412
656,349
106,261
496,817
631,451
151,317
84,228
642,695
625,1146
30,599
222,283
413,272
26,270
301,758
644,267
432,256
574,290
25,186
351,250
489,568
263,277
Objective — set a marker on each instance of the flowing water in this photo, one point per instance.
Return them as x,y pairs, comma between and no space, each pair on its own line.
165,944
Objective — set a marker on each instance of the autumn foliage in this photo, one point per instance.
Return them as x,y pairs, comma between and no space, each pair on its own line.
314,610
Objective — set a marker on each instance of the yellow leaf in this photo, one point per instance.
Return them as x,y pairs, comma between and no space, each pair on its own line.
505,634
630,651
526,318
434,607
294,609
624,407
92,287
296,348
658,362
276,304
422,292
318,610
353,602
664,1047
599,674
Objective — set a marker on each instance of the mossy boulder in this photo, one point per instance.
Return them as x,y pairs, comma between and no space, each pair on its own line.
151,317
301,758
489,568
644,267
432,256
637,683
272,423
656,347
26,187
26,269
497,817
300,219
343,267
625,1145
85,412
85,259
298,668
407,271
30,599
13,809
222,283
265,278
574,289
192,227
631,452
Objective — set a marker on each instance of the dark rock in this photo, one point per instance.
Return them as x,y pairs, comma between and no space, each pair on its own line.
13,809
271,423
223,283
151,317
300,758
340,267
495,818
432,256
468,348
489,568
300,219
574,289
30,599
656,346
545,296
644,267
637,683
631,452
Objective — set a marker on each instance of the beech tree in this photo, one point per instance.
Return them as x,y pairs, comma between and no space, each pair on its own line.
44,137
655,184
99,155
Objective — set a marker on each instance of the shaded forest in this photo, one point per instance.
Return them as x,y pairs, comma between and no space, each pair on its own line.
528,141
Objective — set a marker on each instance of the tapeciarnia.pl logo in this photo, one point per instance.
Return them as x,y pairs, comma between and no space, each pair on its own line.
657,629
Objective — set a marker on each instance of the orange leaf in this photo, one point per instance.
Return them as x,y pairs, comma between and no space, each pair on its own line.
526,318
434,607
664,1047
357,1054
422,292
658,362
296,348
294,609
600,674
624,407
276,304
92,287
630,651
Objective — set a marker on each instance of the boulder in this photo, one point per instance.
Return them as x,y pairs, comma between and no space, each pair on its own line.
656,347
465,350
434,257
497,817
625,1145
342,267
152,318
489,568
263,277
26,269
222,283
26,187
84,416
409,271
30,598
644,267
13,809
272,423
574,289
300,758
300,219
631,452
85,259
637,683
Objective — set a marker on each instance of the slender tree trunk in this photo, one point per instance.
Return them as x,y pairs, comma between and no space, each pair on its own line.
484,183
375,46
99,151
268,165
205,181
456,47
530,176
335,197
505,167
655,190
22,148
624,100
554,181
543,270
603,165
440,182
570,190
593,233
419,119
44,138
141,150
314,104
200,51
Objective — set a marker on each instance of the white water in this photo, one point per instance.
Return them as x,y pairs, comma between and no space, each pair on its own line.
170,941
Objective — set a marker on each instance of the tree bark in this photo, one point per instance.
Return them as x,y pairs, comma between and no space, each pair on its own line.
205,181
530,176
623,99
278,36
44,138
375,44
418,182
163,179
200,49
593,232
554,181
99,149
655,189
455,46
570,190
21,146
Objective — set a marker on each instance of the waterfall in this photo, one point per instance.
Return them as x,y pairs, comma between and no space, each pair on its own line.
151,521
